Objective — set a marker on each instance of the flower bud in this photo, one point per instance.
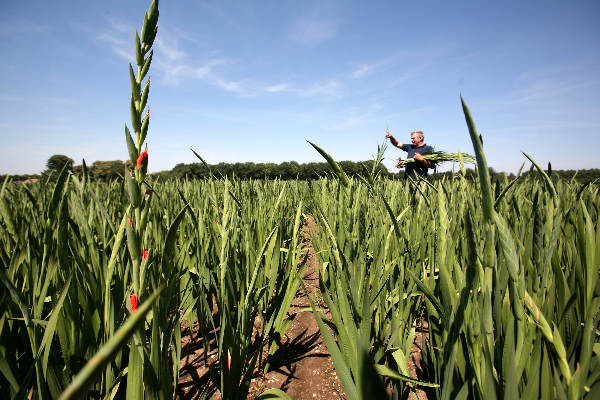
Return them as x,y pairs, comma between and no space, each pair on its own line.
134,302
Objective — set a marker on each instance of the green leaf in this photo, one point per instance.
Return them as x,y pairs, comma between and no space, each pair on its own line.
549,183
135,86
384,370
51,327
145,93
133,189
22,394
8,373
135,118
482,168
94,367
336,168
273,394
133,153
336,356
104,212
249,292
135,368
144,129
504,191
7,215
86,178
57,193
171,240
429,294
139,57
146,67
133,242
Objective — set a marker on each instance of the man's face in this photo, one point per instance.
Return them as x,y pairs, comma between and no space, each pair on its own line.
416,139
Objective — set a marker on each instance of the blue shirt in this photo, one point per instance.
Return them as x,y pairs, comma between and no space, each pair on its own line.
416,168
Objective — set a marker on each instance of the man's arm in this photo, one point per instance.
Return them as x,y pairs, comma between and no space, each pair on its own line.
427,163
393,140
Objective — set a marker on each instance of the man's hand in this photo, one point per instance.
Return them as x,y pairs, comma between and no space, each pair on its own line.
419,157
400,163
396,143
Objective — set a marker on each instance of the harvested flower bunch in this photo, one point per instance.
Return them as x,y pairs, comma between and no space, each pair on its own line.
440,157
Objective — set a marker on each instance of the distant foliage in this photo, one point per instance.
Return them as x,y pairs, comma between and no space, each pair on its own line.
55,164
250,170
58,161
103,170
20,177
109,170
582,176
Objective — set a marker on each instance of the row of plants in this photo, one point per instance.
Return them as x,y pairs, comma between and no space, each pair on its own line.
234,258
506,279
98,278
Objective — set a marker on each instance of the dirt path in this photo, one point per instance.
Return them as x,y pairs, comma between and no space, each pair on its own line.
301,367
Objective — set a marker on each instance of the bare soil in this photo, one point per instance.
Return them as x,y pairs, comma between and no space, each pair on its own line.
301,366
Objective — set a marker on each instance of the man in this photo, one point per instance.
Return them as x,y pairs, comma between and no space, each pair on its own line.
414,150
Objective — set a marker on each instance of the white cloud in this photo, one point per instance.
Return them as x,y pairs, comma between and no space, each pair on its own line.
175,71
239,87
175,65
394,62
362,70
169,48
281,87
117,36
329,88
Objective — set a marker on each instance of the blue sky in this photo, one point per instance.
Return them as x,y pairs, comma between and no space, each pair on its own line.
252,80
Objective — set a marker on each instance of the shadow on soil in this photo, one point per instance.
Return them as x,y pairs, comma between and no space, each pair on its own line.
195,381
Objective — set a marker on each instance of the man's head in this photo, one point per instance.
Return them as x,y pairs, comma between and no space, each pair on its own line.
417,138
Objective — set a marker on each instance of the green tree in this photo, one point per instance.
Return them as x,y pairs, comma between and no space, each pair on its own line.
107,170
57,162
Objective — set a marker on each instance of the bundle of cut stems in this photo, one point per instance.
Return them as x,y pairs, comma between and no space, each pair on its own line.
440,157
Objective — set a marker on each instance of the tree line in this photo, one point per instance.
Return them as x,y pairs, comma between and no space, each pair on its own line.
109,170
285,170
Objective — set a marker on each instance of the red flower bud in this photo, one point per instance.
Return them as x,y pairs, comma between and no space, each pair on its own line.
145,254
133,302
142,160
130,222
148,192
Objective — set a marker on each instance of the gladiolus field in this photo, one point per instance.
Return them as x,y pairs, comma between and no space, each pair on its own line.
497,284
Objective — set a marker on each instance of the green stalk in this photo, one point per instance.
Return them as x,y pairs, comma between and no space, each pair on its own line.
86,377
